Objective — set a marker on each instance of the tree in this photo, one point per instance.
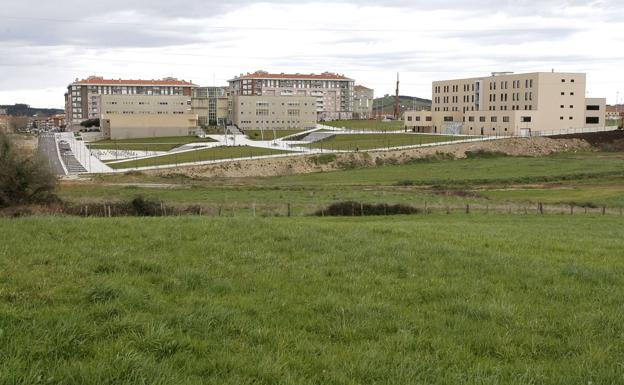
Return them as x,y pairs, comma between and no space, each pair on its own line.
25,177
18,123
90,123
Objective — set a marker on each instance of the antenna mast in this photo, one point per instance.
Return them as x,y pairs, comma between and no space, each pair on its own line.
397,111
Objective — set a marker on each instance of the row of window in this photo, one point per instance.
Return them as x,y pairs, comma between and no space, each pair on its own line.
417,118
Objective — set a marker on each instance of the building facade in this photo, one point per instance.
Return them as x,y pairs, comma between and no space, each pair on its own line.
418,120
514,104
144,116
274,112
363,99
333,93
211,104
615,112
81,99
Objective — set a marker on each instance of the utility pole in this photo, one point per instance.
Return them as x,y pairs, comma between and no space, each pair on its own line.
397,111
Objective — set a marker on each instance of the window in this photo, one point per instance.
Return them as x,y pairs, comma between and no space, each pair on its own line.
592,120
428,118
448,118
562,80
561,118
409,118
482,118
418,118
571,106
493,119
506,119
471,118
571,118
562,106
593,108
525,119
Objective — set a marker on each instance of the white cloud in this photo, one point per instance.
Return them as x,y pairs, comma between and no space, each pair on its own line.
368,40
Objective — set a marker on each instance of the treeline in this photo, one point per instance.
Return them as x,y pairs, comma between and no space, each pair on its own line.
26,110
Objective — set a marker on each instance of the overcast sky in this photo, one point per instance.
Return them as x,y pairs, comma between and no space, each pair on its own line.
45,44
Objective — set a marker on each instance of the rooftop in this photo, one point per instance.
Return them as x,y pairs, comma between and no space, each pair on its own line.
362,88
266,75
97,80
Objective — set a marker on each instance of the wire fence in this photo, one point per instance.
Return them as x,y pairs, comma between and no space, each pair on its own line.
347,209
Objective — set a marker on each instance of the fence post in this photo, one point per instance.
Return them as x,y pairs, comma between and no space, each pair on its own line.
604,210
425,207
361,209
289,209
467,209
571,209
541,208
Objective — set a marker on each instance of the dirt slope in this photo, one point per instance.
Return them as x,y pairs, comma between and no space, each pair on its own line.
316,163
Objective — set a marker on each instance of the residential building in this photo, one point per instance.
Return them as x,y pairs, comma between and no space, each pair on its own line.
274,112
418,120
211,104
143,116
615,112
363,99
514,104
333,93
81,99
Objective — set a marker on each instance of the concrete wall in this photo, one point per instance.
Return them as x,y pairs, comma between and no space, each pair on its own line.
591,113
420,121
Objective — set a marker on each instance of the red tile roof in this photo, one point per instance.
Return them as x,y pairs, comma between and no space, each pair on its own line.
266,75
95,80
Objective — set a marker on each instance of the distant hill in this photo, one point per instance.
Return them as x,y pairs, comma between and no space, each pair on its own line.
26,110
386,103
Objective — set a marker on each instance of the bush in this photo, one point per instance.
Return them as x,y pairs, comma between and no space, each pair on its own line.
356,209
145,207
24,178
324,159
484,154
90,123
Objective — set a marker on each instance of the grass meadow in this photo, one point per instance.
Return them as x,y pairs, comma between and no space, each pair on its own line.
372,125
435,299
223,152
269,134
147,144
353,142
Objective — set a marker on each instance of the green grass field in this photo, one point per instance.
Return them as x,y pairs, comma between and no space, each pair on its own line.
438,299
371,141
373,125
215,153
581,178
269,134
147,144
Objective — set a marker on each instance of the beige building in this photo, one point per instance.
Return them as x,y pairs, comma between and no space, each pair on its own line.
333,93
81,99
363,99
143,116
615,112
418,121
514,104
211,104
274,112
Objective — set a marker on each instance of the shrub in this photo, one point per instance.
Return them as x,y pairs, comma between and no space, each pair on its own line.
324,159
24,178
484,154
353,209
145,207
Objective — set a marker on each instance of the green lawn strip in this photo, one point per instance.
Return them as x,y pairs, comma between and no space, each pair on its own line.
513,170
373,125
438,299
147,144
215,153
371,141
269,134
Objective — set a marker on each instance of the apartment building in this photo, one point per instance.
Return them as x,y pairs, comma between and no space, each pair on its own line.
418,120
514,104
363,99
144,116
274,112
81,99
211,104
615,112
333,93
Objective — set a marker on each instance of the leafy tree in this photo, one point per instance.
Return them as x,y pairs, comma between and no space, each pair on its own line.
24,177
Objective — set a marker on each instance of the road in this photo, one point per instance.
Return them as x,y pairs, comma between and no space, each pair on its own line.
47,147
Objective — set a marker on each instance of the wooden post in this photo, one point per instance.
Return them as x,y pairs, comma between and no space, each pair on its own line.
289,213
541,208
425,207
467,209
361,209
604,210
219,210
571,209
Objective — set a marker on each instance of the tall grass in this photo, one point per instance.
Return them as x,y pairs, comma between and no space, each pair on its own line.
394,300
